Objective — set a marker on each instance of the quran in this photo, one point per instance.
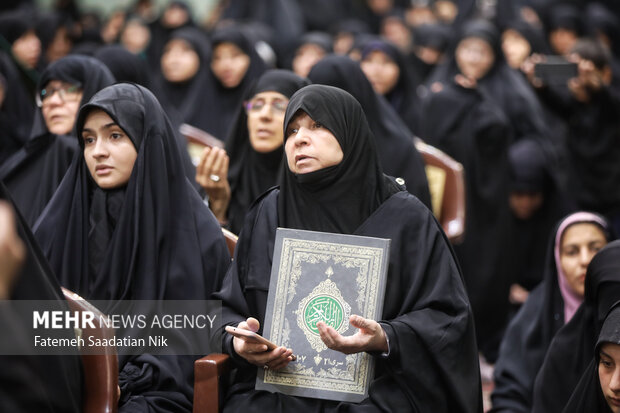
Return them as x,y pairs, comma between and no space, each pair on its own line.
318,276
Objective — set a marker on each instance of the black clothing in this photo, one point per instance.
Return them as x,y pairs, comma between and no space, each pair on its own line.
33,173
251,173
124,65
184,102
570,351
393,140
593,146
403,96
220,108
588,395
159,240
505,86
16,111
532,171
428,324
468,126
530,332
30,383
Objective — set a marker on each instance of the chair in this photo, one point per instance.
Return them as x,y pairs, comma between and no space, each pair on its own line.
197,139
446,182
209,369
100,370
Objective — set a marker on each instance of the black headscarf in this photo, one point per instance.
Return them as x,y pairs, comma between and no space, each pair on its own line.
531,171
184,102
468,126
251,173
220,110
403,96
33,382
393,140
34,172
162,241
530,332
570,351
16,111
505,86
588,395
338,198
124,65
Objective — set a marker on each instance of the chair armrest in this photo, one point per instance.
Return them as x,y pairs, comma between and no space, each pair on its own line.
207,373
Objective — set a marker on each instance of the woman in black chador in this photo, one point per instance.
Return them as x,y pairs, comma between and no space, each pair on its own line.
134,228
394,141
570,351
33,173
425,349
577,238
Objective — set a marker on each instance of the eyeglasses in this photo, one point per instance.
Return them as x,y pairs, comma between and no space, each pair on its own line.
67,93
278,105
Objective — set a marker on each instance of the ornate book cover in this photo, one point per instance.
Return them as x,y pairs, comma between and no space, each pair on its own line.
319,276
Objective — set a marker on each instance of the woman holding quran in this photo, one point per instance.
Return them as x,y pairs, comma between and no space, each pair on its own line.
422,344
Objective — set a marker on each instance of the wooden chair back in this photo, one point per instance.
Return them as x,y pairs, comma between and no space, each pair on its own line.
100,370
446,181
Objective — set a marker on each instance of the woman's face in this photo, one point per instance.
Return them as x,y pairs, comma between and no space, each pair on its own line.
135,37
27,49
562,41
515,47
266,120
180,62
310,146
108,151
609,374
229,64
306,57
474,57
381,71
580,242
60,102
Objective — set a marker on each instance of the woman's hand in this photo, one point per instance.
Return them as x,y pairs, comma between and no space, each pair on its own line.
212,175
258,354
370,337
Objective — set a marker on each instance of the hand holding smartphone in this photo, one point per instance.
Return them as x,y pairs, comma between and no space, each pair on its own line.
252,337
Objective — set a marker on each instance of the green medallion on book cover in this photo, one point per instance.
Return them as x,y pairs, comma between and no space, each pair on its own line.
325,303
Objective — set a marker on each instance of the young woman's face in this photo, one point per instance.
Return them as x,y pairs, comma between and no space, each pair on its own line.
609,374
474,57
381,71
580,242
562,41
180,62
135,37
306,57
108,151
310,146
60,102
229,64
515,47
27,49
265,120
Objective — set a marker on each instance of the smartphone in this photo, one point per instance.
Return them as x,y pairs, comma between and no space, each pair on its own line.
555,70
253,337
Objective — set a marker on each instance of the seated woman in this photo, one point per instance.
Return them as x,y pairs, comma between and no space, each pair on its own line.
598,390
134,229
33,173
426,356
576,240
255,149
570,351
